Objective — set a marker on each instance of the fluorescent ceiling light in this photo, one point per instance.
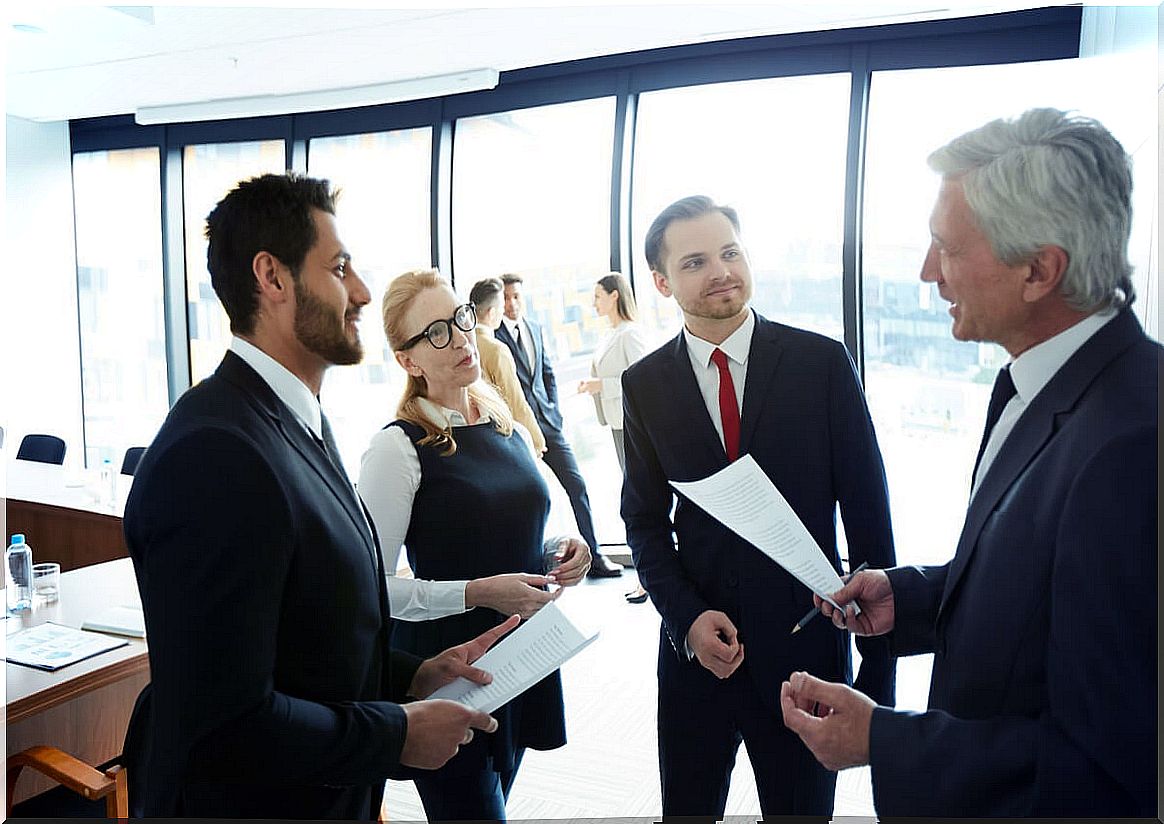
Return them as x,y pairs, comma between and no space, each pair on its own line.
274,104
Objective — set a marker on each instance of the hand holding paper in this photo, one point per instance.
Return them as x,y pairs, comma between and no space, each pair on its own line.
741,497
540,646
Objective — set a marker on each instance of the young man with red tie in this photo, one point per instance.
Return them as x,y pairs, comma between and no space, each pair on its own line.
733,383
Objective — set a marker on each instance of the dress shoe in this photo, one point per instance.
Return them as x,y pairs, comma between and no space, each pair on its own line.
603,567
637,596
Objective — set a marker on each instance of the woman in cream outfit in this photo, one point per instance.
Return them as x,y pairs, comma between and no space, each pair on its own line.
623,345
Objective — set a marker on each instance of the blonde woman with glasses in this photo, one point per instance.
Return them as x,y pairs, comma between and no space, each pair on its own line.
455,481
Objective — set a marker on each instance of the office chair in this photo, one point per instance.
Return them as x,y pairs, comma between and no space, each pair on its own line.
74,774
132,459
43,448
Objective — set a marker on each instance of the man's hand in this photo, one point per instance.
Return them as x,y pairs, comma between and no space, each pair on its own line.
453,663
871,590
831,719
574,562
513,593
436,729
715,642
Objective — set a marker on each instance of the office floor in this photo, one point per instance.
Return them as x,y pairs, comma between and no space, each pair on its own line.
609,768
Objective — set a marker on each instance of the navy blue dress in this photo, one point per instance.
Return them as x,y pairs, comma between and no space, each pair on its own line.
479,512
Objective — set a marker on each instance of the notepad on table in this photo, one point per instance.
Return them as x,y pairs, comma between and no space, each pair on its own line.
119,620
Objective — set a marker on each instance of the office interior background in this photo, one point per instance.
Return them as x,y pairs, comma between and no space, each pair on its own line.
813,122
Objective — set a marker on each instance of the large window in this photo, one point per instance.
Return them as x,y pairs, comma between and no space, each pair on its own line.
383,216
774,150
927,392
208,172
531,194
117,201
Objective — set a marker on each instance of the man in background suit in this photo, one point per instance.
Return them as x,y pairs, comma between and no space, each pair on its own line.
805,423
524,339
272,685
496,361
1043,626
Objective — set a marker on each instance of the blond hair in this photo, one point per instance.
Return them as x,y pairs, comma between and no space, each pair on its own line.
398,297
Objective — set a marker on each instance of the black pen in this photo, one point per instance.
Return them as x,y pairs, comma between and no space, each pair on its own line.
808,616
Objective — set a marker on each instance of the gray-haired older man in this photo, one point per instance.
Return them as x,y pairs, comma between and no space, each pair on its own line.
1043,626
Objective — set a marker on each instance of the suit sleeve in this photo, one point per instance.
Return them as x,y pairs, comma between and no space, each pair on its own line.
646,511
548,378
859,481
1092,749
212,580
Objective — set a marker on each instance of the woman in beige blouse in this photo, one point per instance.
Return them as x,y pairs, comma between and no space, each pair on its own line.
623,345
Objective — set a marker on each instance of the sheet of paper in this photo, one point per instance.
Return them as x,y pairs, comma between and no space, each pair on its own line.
52,646
527,655
741,497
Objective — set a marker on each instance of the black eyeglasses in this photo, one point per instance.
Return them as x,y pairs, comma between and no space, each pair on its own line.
440,332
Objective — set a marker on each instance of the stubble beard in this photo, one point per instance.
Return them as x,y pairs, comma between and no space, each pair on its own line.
320,330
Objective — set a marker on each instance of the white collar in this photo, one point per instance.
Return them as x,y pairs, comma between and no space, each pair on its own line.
511,325
287,388
442,417
1034,368
736,346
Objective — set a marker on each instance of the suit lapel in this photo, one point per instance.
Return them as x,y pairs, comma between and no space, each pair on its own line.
763,357
1034,429
519,356
679,380
236,370
535,341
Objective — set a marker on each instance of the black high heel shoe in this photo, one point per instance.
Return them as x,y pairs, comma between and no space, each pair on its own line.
638,596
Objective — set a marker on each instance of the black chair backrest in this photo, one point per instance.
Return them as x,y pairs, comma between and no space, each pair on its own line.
43,448
132,459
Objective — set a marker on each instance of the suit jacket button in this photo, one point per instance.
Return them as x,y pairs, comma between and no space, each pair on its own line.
731,580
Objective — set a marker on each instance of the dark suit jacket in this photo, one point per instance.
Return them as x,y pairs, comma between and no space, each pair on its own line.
1043,698
805,423
267,617
537,378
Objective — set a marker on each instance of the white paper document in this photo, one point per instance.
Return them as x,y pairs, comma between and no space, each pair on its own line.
119,620
527,655
741,497
51,646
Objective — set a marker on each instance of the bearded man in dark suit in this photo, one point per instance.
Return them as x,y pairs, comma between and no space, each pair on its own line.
273,691
733,383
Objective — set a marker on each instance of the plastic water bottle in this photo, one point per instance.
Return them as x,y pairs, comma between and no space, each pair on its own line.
108,487
18,574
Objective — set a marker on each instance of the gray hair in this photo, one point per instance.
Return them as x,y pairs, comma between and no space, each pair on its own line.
1051,178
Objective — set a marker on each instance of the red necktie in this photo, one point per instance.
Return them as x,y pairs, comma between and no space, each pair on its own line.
729,412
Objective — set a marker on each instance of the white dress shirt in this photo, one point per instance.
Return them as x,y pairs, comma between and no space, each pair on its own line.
390,475
1031,371
525,338
736,347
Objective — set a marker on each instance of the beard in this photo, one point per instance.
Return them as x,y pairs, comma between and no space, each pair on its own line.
321,330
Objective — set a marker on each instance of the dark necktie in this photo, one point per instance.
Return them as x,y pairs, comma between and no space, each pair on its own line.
999,397
729,410
328,444
521,346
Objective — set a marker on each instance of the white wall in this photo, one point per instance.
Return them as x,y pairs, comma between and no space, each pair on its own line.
40,371
1123,43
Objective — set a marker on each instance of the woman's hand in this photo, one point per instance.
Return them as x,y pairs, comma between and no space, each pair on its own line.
593,386
513,593
572,561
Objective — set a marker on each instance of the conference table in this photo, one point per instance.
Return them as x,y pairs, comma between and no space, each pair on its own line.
82,708
63,515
